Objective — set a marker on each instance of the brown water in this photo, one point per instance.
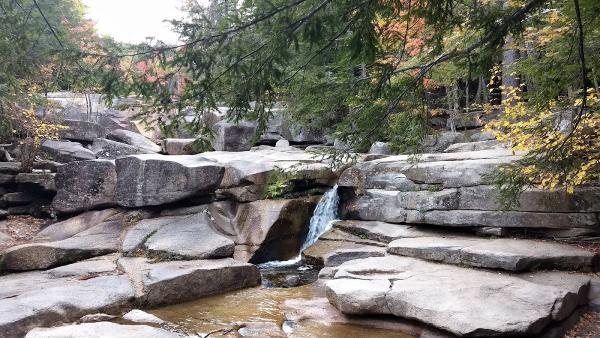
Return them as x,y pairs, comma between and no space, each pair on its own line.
261,312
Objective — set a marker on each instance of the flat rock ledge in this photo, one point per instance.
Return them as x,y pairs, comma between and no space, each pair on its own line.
462,301
152,179
101,330
165,283
502,253
109,284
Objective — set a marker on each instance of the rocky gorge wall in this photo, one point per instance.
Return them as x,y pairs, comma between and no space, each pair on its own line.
130,223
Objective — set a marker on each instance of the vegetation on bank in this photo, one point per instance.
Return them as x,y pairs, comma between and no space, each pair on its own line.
366,70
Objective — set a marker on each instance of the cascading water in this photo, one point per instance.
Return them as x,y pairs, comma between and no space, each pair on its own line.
324,216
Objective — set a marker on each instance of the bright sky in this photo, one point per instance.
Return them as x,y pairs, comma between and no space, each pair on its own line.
134,20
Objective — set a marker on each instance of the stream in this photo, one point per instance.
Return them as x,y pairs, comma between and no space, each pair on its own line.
291,302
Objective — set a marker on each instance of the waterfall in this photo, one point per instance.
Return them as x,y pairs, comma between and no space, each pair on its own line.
325,214
322,220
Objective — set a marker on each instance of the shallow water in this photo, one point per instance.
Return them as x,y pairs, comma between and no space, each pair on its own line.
259,305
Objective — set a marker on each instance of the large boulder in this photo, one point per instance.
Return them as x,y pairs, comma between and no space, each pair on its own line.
36,181
466,120
154,179
231,136
63,151
247,173
308,136
101,330
439,142
467,302
265,230
99,240
179,237
380,148
108,149
134,139
163,283
82,130
65,294
74,225
277,129
85,185
403,174
178,146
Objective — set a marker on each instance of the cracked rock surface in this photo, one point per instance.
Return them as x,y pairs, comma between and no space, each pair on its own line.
465,302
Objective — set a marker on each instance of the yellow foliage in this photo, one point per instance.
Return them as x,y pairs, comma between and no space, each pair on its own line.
535,130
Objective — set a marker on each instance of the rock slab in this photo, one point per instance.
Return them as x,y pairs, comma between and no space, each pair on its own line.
154,179
462,301
85,185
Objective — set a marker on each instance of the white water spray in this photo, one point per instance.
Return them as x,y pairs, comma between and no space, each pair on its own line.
323,218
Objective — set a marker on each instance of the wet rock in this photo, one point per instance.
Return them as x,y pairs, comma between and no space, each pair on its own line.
178,146
261,329
64,152
467,302
134,139
356,297
161,283
99,240
269,229
7,179
159,179
139,316
107,149
74,225
85,185
319,310
101,330
82,130
234,136
503,253
96,317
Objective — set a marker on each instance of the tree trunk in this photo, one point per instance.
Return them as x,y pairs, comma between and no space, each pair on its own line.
449,94
509,56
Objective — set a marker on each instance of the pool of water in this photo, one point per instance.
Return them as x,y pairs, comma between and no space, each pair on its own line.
260,312
289,303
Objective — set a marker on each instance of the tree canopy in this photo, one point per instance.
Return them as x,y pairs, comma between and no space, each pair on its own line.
375,70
